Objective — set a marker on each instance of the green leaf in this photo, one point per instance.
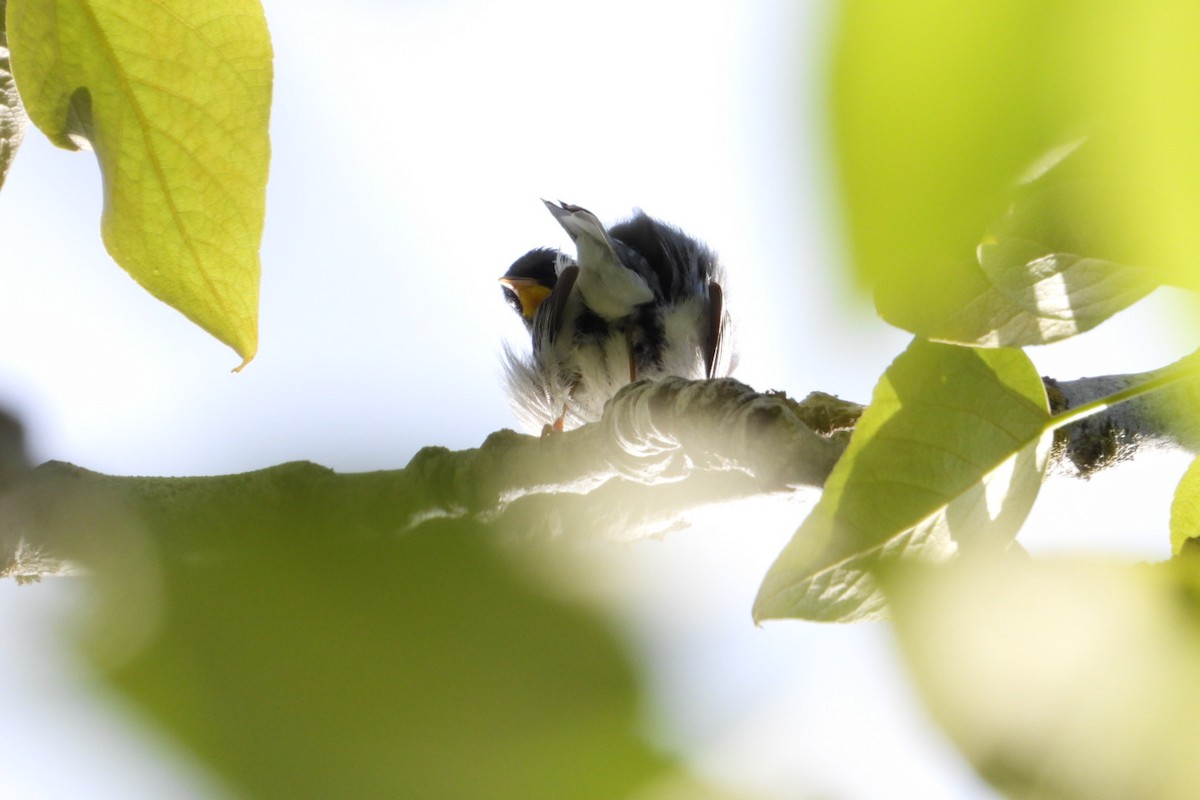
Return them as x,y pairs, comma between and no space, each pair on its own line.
300,659
1039,298
1185,509
933,122
1049,274
1137,69
12,113
939,108
948,456
174,97
1066,678
1028,282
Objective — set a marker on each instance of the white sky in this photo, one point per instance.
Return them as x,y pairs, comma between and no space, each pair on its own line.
412,142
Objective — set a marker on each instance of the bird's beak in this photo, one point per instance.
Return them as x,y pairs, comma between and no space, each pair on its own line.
529,292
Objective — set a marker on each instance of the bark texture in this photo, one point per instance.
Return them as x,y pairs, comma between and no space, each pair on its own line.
661,449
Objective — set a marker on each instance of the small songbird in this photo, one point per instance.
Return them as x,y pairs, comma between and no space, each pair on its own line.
639,300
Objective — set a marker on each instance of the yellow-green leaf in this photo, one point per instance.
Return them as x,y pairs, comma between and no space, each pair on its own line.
310,661
174,97
939,108
1045,272
931,114
948,456
1062,678
1136,67
1185,509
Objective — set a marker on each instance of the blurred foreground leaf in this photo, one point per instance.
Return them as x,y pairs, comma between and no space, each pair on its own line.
1044,272
1135,70
939,109
299,665
1185,508
175,98
936,112
1060,679
949,455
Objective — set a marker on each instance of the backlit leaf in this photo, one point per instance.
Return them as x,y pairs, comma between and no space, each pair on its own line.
935,115
1066,679
1047,272
1185,509
299,659
1136,68
939,108
948,456
174,97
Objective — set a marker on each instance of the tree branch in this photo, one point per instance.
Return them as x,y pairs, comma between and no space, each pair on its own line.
1156,420
709,441
661,449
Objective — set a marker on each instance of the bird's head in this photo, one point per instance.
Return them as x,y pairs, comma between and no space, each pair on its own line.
530,280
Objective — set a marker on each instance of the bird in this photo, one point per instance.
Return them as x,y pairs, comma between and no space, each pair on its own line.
638,300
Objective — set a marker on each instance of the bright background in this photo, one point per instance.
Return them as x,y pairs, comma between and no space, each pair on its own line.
412,142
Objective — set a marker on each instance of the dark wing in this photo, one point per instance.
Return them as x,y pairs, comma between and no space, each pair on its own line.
713,331
553,312
675,265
